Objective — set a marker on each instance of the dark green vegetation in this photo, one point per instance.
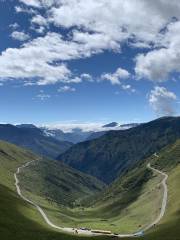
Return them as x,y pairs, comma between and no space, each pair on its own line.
33,139
58,183
168,161
117,151
131,202
19,220
118,208
124,190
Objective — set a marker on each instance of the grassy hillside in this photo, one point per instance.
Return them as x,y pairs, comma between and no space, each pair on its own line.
12,157
19,220
112,154
58,183
168,161
130,203
33,139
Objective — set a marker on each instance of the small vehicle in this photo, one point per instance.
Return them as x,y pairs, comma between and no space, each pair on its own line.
85,229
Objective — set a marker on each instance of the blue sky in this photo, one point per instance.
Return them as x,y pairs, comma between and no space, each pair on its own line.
88,61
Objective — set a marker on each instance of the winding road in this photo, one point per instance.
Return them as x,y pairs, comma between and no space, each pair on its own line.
89,232
165,196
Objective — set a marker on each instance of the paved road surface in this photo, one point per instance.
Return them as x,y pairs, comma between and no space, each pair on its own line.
88,232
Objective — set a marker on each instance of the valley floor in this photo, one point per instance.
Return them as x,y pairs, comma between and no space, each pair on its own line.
129,220
19,220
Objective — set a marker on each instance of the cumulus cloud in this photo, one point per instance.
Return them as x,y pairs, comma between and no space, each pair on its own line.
116,77
39,29
42,60
162,101
37,60
33,62
33,3
103,27
21,36
86,76
98,26
157,64
103,17
39,20
20,9
66,89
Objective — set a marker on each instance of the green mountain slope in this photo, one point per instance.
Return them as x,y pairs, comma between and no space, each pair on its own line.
112,154
33,139
169,161
119,207
128,204
58,183
19,220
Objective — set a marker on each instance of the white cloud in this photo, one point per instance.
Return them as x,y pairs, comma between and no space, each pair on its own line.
84,127
103,26
106,25
69,127
103,17
66,89
41,59
37,60
162,101
14,25
21,36
140,19
116,77
43,96
40,29
157,64
97,42
128,87
20,9
86,77
39,20
33,3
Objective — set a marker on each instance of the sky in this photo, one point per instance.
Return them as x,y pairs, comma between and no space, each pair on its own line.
88,61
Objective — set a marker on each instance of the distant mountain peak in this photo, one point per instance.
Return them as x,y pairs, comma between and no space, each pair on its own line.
112,124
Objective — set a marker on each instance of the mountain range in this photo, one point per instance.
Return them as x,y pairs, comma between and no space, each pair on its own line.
33,138
112,154
102,183
45,141
78,134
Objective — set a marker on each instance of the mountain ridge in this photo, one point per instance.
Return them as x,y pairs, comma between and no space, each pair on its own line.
116,151
32,138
